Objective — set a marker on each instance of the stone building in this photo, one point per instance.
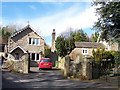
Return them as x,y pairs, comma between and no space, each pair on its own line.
25,41
85,48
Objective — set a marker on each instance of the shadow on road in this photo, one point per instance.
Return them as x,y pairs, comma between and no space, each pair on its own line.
36,70
51,69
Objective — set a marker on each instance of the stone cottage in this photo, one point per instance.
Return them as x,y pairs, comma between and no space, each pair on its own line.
25,41
85,48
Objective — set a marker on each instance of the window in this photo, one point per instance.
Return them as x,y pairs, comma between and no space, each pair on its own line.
30,42
34,41
45,60
37,56
37,41
17,57
34,56
84,51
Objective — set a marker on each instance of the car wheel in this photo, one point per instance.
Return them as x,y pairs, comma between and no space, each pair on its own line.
39,68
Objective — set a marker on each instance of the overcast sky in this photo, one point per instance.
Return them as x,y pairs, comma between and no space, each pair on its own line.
44,16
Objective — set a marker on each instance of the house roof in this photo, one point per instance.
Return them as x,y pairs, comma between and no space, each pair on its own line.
89,45
19,48
25,28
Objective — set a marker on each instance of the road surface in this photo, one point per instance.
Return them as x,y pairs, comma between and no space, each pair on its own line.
47,79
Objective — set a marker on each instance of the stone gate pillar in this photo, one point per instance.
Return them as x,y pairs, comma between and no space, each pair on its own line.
87,67
67,66
26,63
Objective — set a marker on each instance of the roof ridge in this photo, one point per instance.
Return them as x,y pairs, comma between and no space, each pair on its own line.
28,26
19,31
88,44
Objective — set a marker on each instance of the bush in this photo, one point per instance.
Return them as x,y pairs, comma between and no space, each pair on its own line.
116,55
105,60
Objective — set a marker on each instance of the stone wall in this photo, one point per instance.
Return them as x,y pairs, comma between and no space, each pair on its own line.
61,63
87,67
67,66
81,68
18,65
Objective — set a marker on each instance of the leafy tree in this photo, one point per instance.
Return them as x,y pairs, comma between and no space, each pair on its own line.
64,45
97,55
116,55
60,46
70,44
109,19
94,37
7,31
47,52
1,32
79,36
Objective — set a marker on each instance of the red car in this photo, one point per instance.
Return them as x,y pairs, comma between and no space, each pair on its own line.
45,63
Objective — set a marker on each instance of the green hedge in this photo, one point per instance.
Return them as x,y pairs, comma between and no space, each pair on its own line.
116,55
106,60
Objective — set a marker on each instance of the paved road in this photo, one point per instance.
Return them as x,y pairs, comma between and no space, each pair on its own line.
46,78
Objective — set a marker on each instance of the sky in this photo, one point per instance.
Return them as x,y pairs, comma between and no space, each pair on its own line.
44,16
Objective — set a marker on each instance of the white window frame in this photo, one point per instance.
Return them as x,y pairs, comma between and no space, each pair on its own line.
38,41
35,39
84,51
35,56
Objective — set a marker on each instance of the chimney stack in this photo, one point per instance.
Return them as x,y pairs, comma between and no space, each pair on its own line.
53,41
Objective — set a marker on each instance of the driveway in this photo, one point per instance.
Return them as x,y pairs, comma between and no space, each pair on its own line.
47,79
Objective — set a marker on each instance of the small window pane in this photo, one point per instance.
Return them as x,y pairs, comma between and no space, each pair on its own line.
37,56
29,40
83,51
33,41
37,41
33,56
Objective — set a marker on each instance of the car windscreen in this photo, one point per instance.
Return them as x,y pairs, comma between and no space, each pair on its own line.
45,60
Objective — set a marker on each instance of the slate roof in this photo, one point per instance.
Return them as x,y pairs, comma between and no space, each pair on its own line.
16,33
25,28
89,45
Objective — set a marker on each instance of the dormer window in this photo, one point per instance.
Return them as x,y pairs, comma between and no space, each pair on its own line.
34,41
